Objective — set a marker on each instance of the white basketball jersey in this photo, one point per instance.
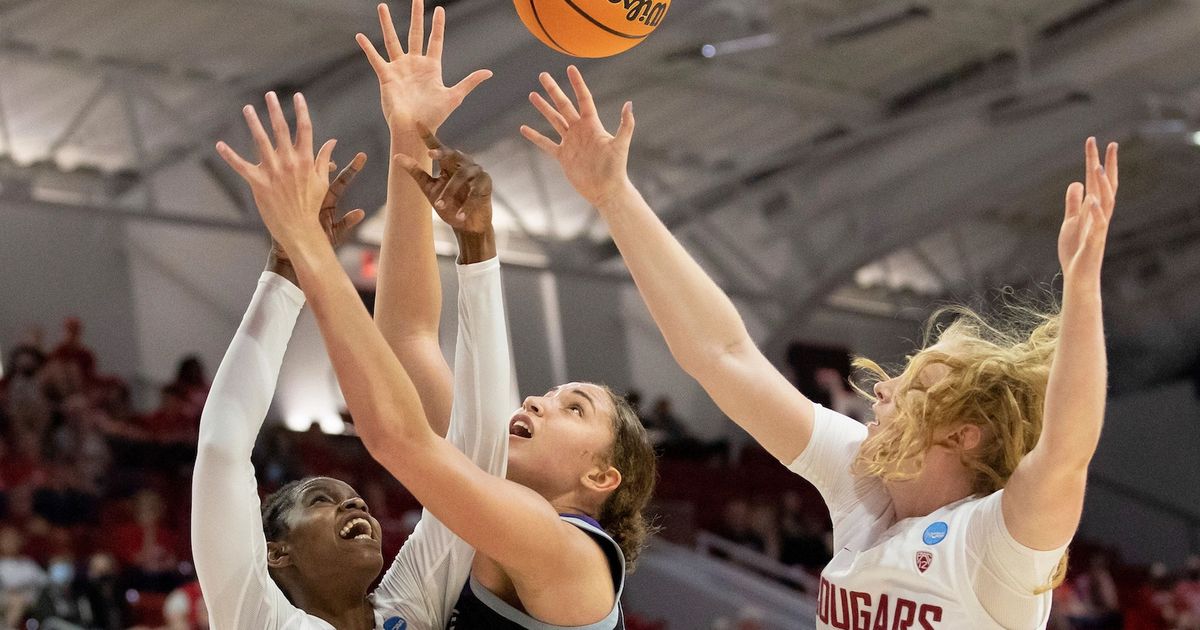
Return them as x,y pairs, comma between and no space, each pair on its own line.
921,573
914,576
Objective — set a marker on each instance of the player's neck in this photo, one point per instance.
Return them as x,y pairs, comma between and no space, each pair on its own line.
943,480
343,608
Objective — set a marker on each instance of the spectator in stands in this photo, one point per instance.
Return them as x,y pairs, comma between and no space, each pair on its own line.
1155,606
104,594
842,399
184,608
192,381
173,422
21,579
71,350
64,500
764,523
146,548
806,541
24,464
1187,593
737,527
79,439
62,604
24,402
1097,607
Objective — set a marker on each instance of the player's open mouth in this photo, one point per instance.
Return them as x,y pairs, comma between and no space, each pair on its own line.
357,529
521,427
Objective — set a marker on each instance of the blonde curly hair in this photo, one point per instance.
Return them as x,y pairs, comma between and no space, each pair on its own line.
998,369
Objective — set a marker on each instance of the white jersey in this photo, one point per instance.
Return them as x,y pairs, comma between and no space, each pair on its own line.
420,588
957,567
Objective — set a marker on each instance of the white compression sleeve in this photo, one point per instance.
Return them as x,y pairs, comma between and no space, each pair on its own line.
427,577
227,533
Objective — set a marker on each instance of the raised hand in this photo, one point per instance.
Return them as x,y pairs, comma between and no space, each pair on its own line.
289,183
336,230
461,194
1088,211
594,161
410,83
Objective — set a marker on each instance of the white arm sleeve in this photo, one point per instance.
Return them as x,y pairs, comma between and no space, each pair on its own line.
427,576
1004,573
227,532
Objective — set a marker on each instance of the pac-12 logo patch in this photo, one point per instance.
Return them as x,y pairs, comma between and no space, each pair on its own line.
935,533
395,623
924,559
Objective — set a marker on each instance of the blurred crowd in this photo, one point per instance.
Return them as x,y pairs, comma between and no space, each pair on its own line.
95,495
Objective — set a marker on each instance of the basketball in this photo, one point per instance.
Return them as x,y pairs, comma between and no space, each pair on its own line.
592,28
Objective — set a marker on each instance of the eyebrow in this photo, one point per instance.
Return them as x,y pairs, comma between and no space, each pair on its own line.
585,397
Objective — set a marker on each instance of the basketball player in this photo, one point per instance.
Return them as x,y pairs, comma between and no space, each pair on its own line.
579,462
308,558
954,507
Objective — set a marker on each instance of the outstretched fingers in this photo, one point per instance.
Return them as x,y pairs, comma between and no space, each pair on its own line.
542,142
558,97
425,182
324,157
391,41
262,142
583,95
283,135
378,63
1110,165
548,112
416,28
437,34
1091,160
304,130
464,88
343,180
625,131
235,161
1074,200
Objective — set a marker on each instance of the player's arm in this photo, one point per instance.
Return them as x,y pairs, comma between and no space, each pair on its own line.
501,519
1044,499
409,294
427,576
702,327
227,533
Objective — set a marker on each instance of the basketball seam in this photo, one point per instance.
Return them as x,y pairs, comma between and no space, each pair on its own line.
599,24
533,7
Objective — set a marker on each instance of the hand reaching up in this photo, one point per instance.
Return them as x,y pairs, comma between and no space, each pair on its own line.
461,194
410,83
1089,208
290,185
594,161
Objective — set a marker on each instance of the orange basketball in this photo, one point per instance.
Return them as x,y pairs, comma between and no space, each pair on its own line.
591,28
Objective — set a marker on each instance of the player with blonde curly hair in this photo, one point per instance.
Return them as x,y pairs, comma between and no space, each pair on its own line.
954,507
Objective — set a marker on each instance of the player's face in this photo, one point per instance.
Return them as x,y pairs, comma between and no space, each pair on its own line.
556,438
330,530
885,392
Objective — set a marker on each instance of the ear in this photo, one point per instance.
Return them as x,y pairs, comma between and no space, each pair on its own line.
966,438
278,555
602,479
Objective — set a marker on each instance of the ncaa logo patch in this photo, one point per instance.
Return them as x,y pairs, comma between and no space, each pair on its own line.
935,533
395,623
924,559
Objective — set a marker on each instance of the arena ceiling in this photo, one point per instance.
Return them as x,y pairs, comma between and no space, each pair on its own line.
863,156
